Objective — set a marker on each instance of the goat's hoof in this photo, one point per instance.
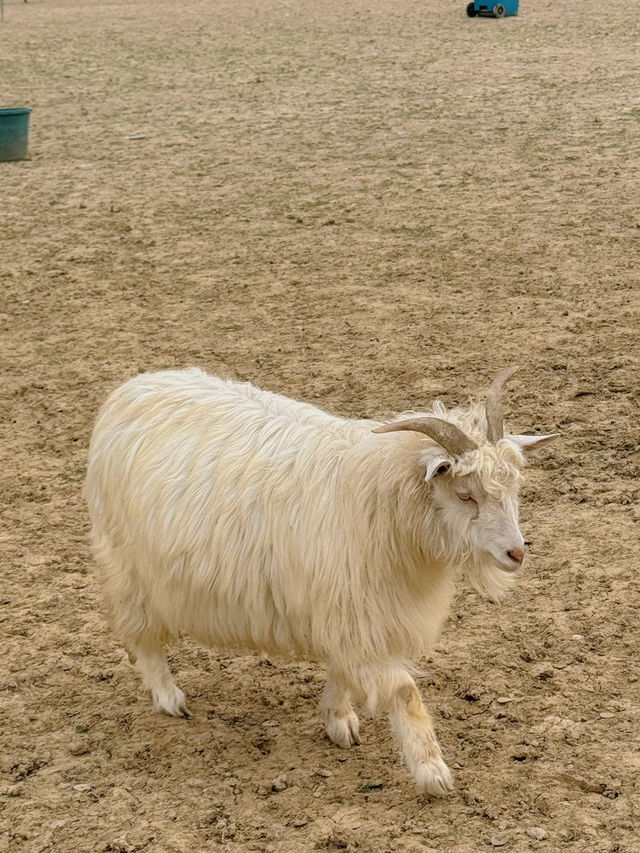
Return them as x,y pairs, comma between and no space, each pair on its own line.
344,731
171,702
433,777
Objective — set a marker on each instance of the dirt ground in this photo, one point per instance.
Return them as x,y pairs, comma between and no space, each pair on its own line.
365,205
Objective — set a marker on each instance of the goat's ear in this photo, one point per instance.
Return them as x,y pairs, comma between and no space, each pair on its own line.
436,465
530,444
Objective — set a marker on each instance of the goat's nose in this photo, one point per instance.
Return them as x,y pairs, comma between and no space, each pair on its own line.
516,555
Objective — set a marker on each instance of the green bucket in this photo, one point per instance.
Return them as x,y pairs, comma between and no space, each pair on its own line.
14,133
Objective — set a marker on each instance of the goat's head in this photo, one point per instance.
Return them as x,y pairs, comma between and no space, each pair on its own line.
474,488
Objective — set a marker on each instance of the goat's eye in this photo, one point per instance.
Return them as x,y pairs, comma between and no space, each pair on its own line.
466,496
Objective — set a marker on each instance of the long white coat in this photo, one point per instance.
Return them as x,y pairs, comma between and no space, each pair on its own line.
249,520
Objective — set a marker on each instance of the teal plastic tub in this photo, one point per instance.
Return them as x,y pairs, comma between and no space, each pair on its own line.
14,133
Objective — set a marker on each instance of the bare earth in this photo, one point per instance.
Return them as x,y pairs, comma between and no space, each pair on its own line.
365,205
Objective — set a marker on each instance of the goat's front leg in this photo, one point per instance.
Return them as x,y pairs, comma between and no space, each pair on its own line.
412,725
340,720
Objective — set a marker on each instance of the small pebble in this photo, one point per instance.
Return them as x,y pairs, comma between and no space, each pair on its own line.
83,788
544,673
536,832
500,839
279,784
79,746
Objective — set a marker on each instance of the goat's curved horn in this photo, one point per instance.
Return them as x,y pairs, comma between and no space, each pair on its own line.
493,405
446,434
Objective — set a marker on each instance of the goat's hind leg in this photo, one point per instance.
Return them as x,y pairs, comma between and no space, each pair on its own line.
340,720
151,662
141,633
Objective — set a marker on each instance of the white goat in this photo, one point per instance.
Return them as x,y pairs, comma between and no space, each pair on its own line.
248,520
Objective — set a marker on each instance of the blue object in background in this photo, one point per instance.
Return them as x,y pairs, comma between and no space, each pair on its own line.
14,133
489,9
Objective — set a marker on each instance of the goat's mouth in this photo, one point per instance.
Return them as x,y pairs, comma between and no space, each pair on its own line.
508,563
508,570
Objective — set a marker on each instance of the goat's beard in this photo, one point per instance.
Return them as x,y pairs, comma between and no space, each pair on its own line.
487,578
481,571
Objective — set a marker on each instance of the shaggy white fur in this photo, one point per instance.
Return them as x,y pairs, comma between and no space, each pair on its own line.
249,520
